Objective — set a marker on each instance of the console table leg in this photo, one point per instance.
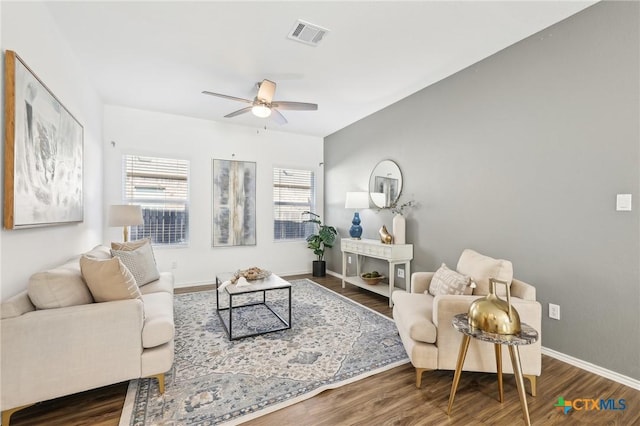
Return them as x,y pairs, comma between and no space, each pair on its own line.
464,346
517,372
499,370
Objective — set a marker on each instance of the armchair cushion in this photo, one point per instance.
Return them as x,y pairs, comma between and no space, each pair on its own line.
416,315
446,281
481,268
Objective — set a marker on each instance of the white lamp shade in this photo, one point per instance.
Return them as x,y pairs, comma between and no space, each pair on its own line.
125,215
357,200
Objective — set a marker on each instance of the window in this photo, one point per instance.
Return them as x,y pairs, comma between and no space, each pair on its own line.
161,187
294,192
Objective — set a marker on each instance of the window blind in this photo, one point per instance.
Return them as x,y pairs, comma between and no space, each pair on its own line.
161,187
294,192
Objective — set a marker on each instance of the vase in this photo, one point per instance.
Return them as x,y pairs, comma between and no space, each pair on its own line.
399,226
494,315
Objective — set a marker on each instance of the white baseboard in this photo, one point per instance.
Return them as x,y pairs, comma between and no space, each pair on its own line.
592,368
335,274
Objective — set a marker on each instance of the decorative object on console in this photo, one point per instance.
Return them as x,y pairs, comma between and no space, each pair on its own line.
356,200
385,184
385,236
43,164
323,238
399,222
125,215
372,278
492,314
234,203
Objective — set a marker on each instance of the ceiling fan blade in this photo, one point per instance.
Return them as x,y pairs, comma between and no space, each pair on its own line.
238,112
266,91
295,106
277,117
233,98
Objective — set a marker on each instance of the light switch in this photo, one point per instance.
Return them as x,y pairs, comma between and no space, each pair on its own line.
623,202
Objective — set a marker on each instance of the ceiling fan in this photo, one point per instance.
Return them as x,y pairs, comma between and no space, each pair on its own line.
263,104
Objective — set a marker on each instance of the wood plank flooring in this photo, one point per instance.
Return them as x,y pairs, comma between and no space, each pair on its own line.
390,398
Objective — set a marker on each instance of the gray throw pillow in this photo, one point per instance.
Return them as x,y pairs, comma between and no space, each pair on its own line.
140,262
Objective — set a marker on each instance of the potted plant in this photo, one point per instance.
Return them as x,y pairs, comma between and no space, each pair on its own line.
323,238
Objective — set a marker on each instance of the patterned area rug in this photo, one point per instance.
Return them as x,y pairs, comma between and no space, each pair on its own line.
333,341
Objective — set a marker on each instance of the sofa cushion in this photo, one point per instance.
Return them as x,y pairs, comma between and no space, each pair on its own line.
99,252
16,306
481,268
446,281
158,319
140,262
108,279
414,312
164,283
130,245
59,287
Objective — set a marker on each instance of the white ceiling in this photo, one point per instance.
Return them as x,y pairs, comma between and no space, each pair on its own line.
160,56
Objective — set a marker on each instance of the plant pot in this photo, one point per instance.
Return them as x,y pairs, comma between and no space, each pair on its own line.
319,268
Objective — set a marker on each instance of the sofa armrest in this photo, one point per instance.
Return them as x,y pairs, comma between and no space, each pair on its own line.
420,281
522,290
54,352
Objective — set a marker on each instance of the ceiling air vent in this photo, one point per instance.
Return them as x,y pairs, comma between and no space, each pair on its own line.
307,33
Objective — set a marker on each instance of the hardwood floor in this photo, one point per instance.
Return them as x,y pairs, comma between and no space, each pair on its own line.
391,398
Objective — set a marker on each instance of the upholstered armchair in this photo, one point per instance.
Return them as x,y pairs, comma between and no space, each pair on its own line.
424,315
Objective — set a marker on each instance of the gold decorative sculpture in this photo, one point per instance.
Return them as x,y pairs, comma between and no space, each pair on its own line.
385,236
494,315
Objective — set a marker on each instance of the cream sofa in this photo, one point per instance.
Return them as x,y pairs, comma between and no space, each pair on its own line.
424,320
56,341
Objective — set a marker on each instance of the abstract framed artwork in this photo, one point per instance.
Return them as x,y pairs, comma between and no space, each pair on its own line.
234,203
43,153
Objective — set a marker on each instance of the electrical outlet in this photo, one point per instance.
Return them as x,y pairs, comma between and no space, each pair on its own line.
400,272
554,311
174,265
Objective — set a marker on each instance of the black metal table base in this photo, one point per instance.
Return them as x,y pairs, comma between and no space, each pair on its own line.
230,309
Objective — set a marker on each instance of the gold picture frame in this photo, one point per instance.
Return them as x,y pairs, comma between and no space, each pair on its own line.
43,153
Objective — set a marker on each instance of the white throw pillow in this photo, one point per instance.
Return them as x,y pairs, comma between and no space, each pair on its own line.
446,281
140,262
108,279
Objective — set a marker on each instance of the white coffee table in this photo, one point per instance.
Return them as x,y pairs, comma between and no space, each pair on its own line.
271,283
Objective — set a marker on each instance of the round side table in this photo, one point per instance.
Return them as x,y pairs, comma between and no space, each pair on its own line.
527,336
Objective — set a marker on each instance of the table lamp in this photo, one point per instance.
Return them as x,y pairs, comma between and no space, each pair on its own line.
125,215
356,200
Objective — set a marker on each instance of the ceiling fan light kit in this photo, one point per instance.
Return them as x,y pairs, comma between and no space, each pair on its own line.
261,111
263,105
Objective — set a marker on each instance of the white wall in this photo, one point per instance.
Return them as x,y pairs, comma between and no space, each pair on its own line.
200,141
28,29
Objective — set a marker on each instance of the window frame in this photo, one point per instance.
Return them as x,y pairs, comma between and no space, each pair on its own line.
162,201
310,206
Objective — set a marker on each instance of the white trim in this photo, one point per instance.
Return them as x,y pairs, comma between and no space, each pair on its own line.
334,274
592,368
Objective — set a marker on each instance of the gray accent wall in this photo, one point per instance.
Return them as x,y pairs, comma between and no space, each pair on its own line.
520,157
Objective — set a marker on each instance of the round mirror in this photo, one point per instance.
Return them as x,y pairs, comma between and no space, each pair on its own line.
385,184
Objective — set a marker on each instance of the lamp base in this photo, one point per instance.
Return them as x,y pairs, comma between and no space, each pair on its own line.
356,230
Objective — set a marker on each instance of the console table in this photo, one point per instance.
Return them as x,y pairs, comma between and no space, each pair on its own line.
394,254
